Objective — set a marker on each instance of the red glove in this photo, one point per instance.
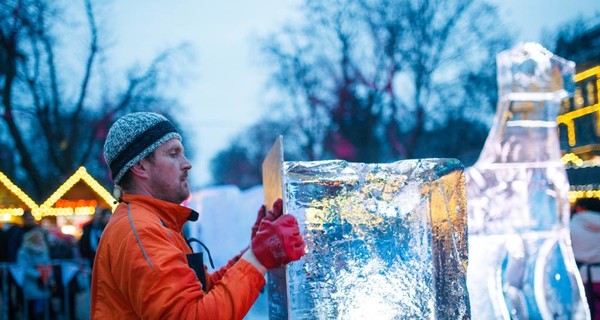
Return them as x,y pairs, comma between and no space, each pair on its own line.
278,242
263,214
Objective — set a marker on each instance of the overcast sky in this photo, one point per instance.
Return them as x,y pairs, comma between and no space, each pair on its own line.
223,95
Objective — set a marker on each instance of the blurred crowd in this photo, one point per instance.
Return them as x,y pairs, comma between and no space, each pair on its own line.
41,267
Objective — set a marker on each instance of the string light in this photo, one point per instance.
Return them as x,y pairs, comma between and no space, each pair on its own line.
68,229
7,216
22,196
587,73
81,174
568,118
572,160
55,212
63,207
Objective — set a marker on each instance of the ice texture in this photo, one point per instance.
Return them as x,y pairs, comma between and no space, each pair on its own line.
521,265
384,241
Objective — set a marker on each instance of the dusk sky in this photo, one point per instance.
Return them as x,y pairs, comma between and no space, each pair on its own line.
225,91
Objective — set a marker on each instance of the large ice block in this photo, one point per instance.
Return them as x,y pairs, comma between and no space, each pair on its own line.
384,241
521,265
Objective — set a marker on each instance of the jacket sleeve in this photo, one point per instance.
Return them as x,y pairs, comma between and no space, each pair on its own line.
212,278
155,276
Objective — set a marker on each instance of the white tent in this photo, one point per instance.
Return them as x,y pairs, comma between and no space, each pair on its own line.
224,226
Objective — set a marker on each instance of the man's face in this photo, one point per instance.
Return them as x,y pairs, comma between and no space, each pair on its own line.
168,172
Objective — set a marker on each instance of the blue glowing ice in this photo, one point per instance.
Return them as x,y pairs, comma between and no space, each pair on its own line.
521,265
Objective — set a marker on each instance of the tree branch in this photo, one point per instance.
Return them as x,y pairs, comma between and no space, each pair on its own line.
79,106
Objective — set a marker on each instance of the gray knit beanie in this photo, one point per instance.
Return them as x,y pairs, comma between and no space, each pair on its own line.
134,136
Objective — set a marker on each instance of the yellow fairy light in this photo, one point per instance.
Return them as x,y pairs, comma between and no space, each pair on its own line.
68,229
589,194
79,175
87,211
17,191
587,73
590,93
583,192
578,98
567,118
572,196
576,161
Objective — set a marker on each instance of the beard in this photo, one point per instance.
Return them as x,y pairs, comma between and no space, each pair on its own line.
170,192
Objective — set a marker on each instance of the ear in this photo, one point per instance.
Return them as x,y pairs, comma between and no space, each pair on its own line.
140,169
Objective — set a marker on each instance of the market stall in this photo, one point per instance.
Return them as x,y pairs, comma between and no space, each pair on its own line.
13,201
74,203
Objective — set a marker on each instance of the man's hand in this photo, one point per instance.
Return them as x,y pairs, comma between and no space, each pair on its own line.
278,242
272,215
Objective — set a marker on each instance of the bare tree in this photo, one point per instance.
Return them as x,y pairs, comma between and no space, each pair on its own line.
54,112
241,162
365,79
577,40
382,80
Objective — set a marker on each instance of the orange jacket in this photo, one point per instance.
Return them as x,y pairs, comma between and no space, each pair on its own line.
141,270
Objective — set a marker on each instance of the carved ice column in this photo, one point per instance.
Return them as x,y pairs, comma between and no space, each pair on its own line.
521,265
384,241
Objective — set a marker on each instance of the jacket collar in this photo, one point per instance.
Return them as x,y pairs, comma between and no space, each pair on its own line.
173,215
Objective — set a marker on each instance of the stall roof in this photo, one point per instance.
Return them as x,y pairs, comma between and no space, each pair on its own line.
80,186
13,198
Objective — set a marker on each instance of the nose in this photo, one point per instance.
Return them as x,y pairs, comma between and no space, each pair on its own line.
187,165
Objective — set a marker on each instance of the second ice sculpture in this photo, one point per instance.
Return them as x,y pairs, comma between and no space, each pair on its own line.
384,241
521,265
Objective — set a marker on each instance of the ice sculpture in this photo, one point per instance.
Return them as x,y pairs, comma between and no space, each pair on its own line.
521,265
384,241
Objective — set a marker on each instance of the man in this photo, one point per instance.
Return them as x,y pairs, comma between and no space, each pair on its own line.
142,267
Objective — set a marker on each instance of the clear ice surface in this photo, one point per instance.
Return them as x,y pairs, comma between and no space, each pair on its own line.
521,264
384,241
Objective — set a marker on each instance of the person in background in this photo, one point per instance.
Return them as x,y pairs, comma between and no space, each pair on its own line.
144,268
585,240
13,240
63,251
88,244
4,227
34,256
15,235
